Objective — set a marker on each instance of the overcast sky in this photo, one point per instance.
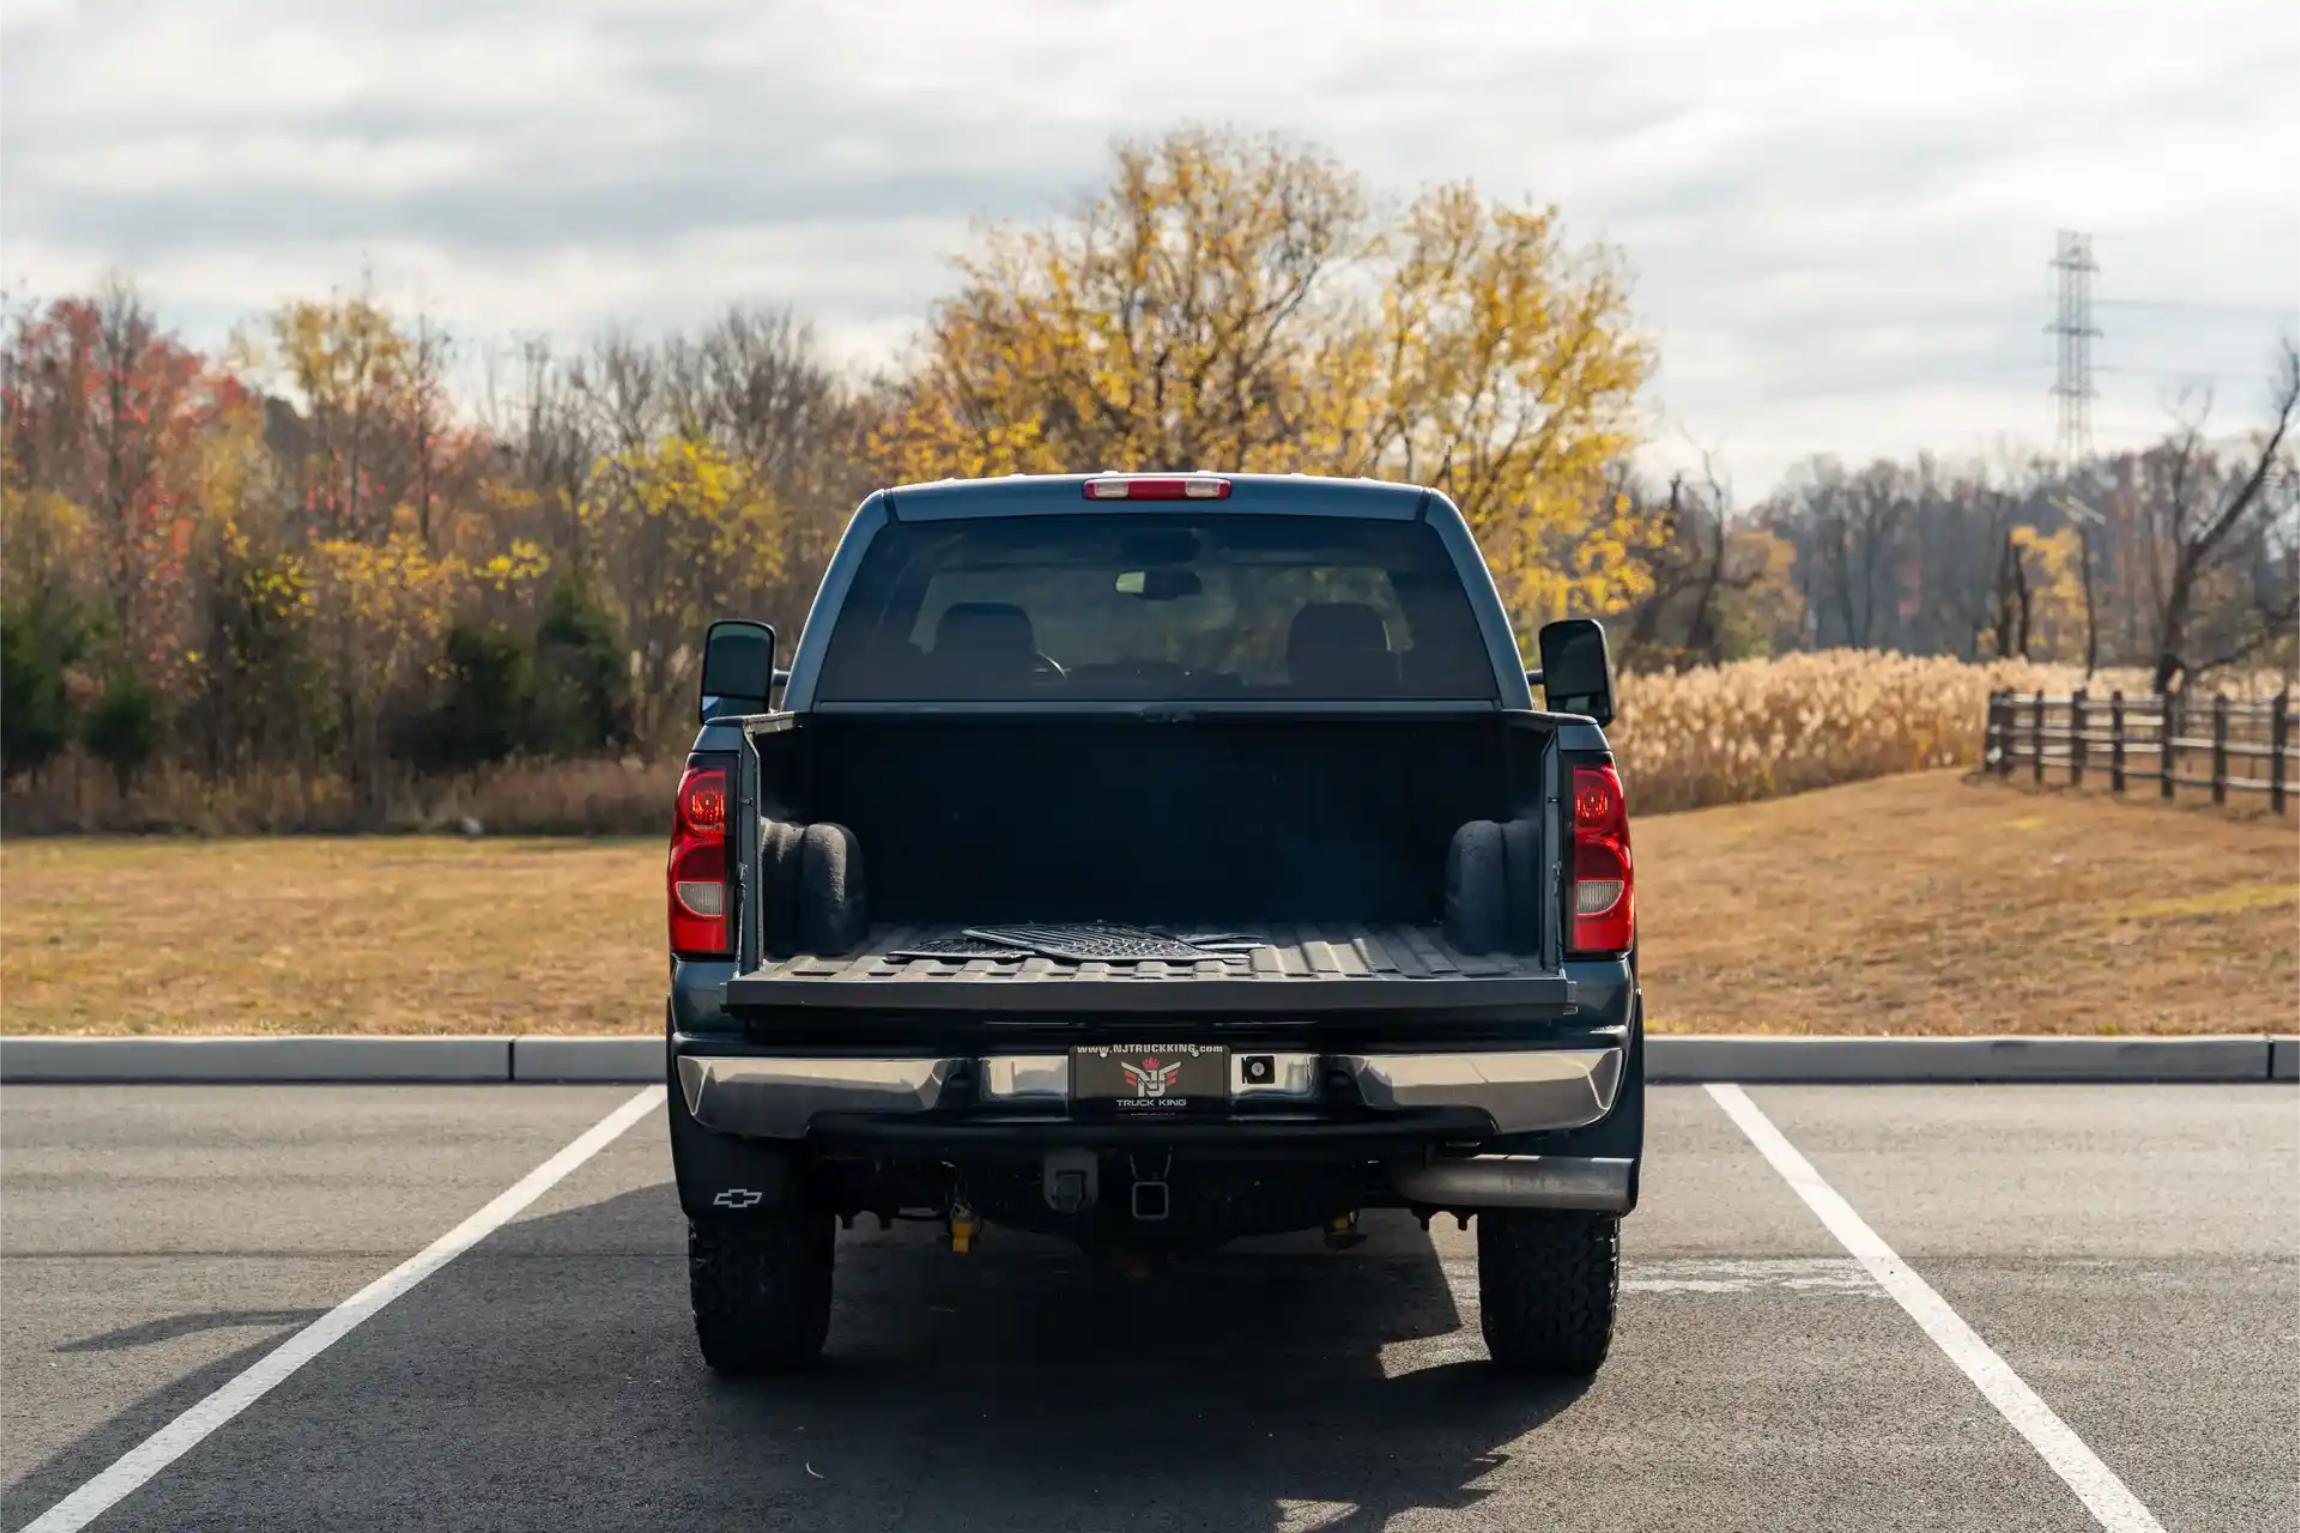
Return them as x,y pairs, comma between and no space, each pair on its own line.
1839,223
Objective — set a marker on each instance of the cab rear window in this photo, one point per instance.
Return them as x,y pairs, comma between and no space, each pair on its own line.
1182,607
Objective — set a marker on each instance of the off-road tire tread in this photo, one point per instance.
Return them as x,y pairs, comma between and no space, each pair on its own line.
761,1289
1547,1286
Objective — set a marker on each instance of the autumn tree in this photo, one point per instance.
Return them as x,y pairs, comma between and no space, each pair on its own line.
1505,373
683,533
378,613
45,621
754,382
704,474
2224,534
102,410
1959,540
257,695
341,364
2040,601
370,431
347,572
538,438
1719,586
1236,303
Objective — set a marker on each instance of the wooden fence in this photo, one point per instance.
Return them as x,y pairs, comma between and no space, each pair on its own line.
2150,738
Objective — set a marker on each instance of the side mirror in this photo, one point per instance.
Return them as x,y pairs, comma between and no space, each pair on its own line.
1576,670
738,669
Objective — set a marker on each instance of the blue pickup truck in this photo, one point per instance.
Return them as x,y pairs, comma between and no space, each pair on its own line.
1154,860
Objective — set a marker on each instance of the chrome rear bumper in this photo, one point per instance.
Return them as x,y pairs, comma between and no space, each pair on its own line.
1522,1090
1518,1181
1519,1090
779,1098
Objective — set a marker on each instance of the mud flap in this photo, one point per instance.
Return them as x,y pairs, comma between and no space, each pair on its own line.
721,1176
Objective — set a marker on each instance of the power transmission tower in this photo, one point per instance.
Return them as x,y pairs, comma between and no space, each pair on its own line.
2072,259
2072,325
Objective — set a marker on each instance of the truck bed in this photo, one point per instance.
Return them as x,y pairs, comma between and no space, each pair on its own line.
1305,969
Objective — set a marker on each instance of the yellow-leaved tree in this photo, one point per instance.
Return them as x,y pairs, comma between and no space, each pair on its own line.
377,613
2055,578
1232,303
683,533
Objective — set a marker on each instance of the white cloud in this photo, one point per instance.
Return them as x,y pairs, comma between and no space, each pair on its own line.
1839,218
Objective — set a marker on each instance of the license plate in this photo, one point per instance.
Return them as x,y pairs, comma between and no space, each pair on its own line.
1150,1078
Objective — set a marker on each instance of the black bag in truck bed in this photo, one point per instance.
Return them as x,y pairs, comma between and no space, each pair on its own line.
1304,969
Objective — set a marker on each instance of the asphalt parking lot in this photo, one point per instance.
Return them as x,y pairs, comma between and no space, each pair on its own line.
2132,1253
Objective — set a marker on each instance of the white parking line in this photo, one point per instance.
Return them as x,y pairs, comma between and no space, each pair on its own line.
179,1436
2112,1505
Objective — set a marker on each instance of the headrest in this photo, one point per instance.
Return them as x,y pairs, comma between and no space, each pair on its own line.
1339,643
1338,625
983,627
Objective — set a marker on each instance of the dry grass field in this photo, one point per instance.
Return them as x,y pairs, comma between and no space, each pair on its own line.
1906,905
349,934
1933,904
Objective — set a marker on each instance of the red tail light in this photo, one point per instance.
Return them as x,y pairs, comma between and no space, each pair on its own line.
1179,487
1604,878
697,873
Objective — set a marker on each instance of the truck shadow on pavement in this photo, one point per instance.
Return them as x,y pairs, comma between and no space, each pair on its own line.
1268,1384
549,1379
42,1486
190,1324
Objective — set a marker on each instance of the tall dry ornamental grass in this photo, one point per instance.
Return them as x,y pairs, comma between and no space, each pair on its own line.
1761,728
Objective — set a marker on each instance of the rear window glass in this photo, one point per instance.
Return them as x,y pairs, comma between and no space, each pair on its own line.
1120,607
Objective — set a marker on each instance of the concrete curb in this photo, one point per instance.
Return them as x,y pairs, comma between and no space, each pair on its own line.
281,1059
1671,1058
624,1060
1682,1057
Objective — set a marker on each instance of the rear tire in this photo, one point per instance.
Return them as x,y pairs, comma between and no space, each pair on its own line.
1547,1284
761,1289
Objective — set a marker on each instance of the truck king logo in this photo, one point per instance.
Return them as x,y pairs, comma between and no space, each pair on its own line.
1150,1078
